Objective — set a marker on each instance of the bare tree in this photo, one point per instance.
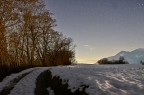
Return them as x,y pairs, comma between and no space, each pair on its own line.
27,36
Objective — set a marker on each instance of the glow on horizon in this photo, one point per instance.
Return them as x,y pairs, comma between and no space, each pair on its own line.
92,60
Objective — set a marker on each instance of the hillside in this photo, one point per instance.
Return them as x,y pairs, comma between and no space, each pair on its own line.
133,57
76,80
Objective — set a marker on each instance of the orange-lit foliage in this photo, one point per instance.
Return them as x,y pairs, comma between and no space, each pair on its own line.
27,38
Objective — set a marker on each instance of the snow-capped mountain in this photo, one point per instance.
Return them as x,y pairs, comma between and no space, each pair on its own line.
132,57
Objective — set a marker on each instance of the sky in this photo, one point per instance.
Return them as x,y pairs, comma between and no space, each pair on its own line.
100,28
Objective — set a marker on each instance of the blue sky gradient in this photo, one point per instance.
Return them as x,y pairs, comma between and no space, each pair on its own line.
100,28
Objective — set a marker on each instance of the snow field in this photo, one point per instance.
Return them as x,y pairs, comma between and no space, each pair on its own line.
125,79
104,79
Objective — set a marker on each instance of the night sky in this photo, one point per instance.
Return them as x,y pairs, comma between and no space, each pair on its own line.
100,28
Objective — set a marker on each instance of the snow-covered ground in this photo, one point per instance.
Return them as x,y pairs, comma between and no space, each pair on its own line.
125,79
7,81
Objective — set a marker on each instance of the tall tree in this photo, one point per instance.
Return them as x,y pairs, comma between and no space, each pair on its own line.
27,36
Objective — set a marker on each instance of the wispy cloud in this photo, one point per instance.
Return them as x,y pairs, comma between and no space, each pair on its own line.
86,45
89,47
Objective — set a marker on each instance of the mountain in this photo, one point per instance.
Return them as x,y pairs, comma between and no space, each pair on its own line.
132,57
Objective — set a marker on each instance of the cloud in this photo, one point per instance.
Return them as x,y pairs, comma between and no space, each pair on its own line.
89,47
86,45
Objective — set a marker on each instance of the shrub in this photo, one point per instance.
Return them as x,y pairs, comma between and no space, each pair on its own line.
46,80
142,62
106,61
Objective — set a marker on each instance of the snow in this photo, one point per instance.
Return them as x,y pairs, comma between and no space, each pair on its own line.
104,80
133,57
26,86
51,92
125,79
6,81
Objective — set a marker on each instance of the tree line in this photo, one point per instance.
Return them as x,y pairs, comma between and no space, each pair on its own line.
27,37
121,60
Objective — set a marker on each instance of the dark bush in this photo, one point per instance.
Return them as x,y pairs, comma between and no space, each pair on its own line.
46,80
106,61
142,62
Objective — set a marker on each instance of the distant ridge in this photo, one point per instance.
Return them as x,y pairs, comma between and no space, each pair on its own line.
133,57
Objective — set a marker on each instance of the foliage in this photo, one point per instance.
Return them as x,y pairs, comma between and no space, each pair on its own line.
106,61
27,37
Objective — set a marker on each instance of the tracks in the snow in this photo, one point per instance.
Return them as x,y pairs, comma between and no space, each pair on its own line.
6,90
44,81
